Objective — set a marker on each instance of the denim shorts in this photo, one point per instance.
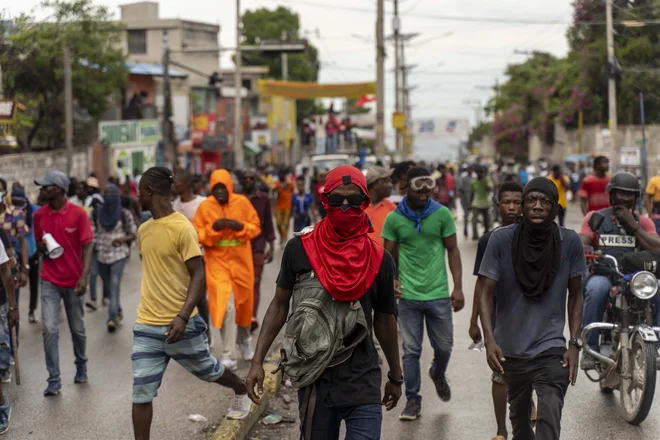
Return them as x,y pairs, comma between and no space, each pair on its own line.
151,355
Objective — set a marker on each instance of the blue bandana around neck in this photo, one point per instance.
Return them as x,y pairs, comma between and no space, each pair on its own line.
405,210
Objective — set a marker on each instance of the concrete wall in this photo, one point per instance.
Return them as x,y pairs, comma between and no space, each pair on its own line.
27,167
596,139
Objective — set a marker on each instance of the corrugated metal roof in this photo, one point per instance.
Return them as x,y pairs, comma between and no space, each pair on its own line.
152,70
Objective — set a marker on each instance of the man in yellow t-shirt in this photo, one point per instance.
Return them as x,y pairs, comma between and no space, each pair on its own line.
652,200
168,326
561,182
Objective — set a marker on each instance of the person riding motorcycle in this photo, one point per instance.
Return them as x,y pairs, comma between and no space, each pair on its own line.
621,232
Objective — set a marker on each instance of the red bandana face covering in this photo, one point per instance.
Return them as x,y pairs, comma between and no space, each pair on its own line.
343,257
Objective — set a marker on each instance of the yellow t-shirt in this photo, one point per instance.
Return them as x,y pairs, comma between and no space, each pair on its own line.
653,188
165,245
561,188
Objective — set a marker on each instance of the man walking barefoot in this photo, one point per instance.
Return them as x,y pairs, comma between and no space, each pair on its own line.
168,326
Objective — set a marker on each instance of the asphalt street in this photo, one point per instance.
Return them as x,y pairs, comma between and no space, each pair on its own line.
102,407
588,414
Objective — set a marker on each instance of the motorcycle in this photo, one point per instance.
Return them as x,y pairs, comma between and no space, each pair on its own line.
627,358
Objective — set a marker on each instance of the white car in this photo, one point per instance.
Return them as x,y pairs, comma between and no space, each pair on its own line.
328,162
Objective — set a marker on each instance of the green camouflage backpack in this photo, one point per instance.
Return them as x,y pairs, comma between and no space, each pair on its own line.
320,332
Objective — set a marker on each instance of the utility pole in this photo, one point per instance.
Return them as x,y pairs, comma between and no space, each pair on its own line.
1,95
238,82
68,111
396,25
169,150
380,80
611,82
407,147
285,107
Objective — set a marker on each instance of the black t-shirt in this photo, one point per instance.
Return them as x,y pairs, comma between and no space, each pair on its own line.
356,381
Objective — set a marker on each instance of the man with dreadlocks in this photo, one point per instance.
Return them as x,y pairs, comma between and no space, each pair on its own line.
168,325
532,263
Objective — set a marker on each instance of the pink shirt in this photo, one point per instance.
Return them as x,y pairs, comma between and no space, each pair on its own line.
645,222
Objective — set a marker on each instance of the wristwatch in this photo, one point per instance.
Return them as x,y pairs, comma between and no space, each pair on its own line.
576,342
393,380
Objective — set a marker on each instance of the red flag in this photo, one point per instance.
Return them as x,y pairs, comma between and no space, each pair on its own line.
364,99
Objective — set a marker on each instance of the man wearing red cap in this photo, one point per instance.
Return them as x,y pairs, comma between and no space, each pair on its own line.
351,268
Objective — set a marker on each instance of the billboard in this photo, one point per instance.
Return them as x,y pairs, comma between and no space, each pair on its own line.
444,129
130,133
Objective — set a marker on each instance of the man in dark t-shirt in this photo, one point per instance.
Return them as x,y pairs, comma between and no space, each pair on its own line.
509,203
532,264
350,266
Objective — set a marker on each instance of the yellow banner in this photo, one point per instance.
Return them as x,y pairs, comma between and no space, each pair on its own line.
308,90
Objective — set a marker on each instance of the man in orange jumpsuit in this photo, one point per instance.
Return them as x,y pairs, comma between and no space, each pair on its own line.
225,224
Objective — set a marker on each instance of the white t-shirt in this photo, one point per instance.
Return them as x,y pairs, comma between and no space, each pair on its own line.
188,209
3,254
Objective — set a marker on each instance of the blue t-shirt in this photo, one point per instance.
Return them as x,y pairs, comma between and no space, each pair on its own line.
302,204
525,327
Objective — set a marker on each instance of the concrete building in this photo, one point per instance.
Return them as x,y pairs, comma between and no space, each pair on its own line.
191,43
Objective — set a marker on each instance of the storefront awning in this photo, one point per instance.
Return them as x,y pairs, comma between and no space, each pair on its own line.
308,90
251,148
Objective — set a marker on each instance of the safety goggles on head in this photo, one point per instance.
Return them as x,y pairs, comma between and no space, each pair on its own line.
421,182
354,200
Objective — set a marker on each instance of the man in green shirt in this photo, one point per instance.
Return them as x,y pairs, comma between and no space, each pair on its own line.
481,201
417,235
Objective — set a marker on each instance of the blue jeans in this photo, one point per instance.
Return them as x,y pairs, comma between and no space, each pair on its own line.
94,275
439,325
5,349
331,143
111,275
51,295
363,422
596,290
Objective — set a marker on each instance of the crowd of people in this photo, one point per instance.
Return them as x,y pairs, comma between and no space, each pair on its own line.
368,261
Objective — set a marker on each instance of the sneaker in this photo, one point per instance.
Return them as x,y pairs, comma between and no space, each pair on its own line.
31,318
246,350
91,305
588,363
5,375
105,302
412,410
112,326
230,364
81,374
53,389
120,318
240,408
5,415
441,386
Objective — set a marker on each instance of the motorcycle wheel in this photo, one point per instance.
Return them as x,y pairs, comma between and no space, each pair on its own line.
637,392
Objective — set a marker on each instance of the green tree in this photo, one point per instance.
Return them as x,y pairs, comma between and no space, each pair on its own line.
265,24
31,54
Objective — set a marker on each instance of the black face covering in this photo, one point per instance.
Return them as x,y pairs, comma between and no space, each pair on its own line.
537,247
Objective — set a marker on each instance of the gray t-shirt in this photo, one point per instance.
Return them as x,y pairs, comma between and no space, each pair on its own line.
526,328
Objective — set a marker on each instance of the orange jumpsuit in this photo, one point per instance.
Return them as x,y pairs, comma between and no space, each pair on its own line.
228,253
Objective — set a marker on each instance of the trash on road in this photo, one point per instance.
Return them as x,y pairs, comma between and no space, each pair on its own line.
272,419
286,398
197,418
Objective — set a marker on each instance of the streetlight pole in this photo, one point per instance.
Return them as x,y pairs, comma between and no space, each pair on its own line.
68,110
238,82
168,150
611,81
396,25
380,80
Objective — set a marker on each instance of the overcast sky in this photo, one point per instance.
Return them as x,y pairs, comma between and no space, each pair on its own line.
450,68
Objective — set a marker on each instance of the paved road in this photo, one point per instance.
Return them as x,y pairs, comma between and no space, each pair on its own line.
588,414
102,408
